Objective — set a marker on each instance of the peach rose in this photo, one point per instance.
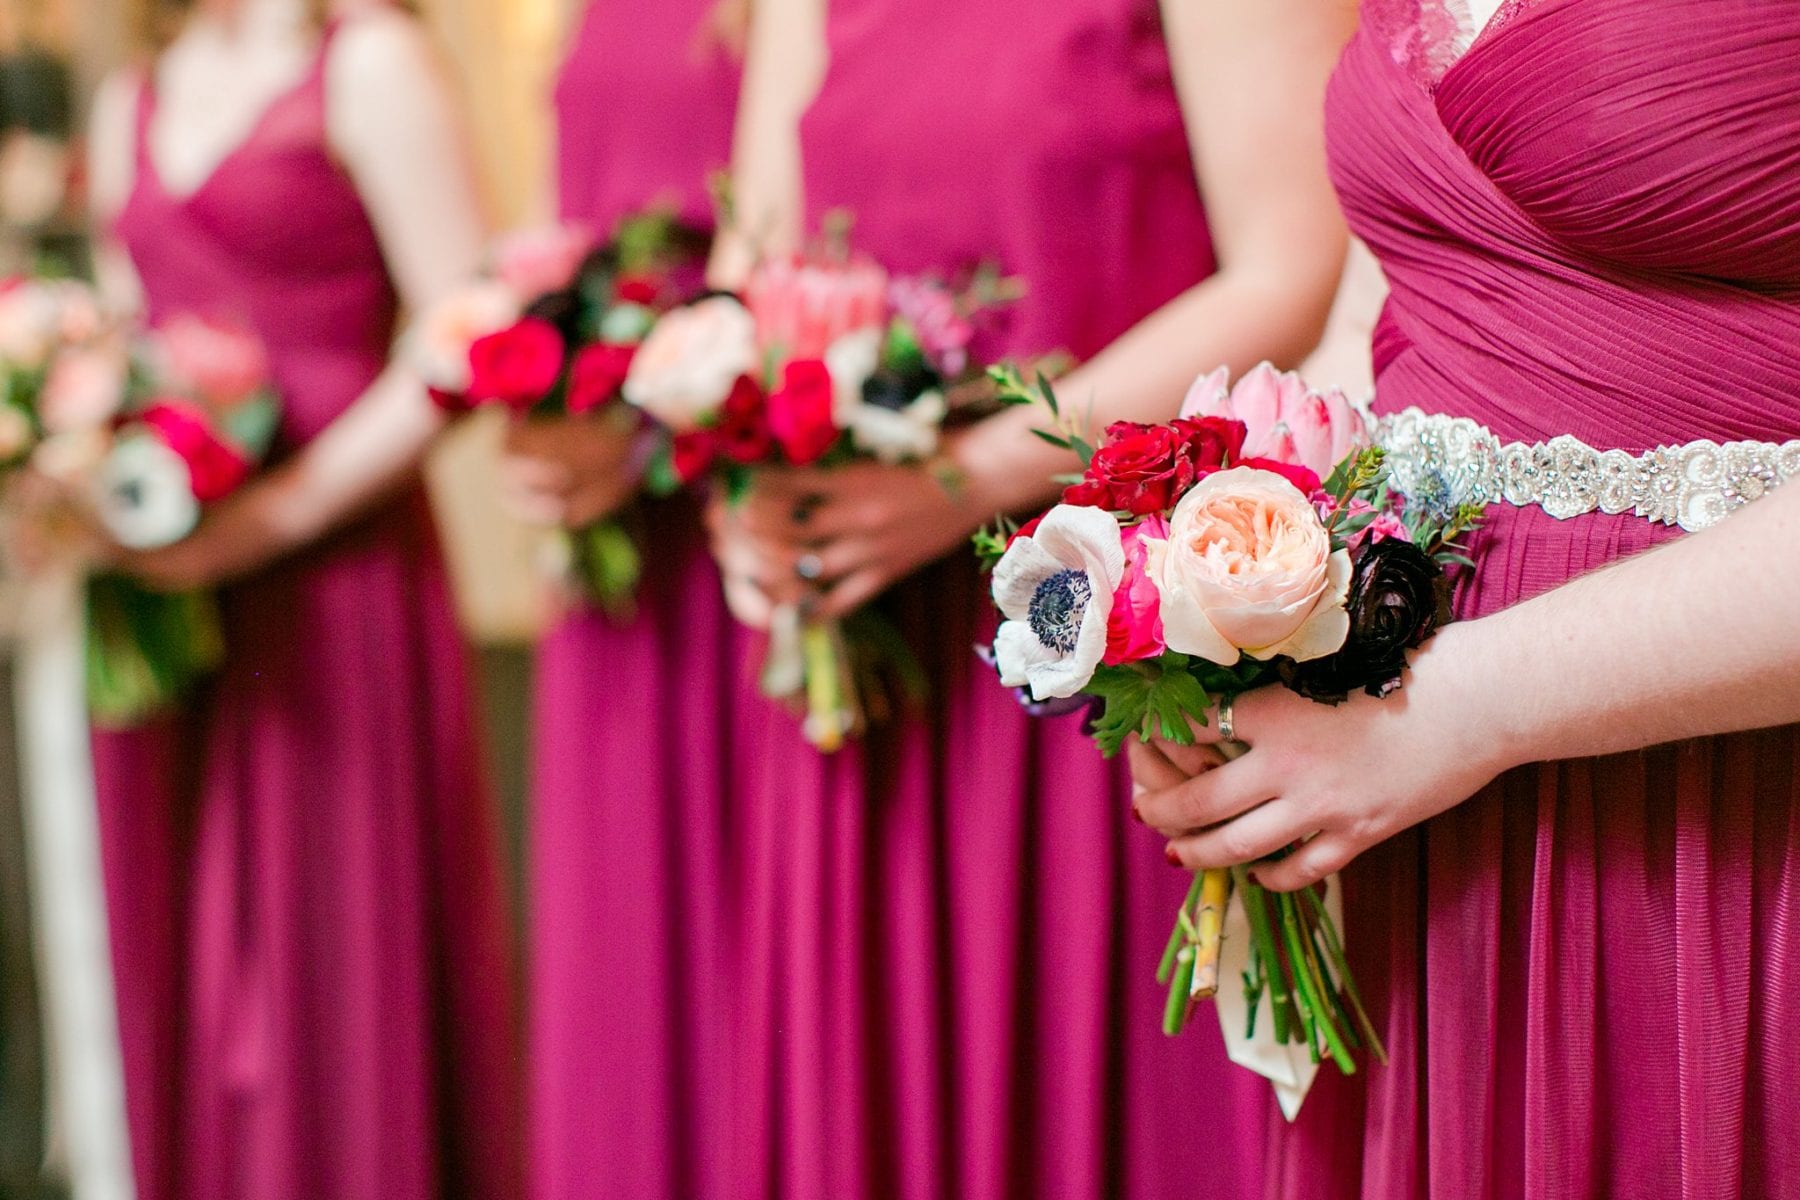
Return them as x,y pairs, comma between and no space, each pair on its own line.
224,364
1248,568
686,367
437,346
83,390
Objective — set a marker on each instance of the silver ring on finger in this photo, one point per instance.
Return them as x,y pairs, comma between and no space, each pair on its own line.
809,567
1227,728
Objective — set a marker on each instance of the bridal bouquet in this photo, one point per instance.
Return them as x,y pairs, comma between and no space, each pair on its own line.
824,359
195,415
1251,542
553,332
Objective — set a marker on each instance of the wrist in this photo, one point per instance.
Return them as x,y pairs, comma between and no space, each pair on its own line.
989,477
1486,711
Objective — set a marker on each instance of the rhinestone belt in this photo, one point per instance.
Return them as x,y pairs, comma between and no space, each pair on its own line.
1444,461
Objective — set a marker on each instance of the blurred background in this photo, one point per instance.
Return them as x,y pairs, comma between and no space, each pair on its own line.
53,53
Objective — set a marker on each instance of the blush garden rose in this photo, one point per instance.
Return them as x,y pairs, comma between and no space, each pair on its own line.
1248,568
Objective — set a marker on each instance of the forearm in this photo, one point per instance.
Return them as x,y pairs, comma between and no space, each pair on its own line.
1695,638
1234,318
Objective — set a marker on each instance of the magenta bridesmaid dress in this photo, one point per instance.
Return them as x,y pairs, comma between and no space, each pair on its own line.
1590,972
630,841
302,863
952,929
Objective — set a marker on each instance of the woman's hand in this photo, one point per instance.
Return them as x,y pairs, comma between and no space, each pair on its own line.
570,471
1336,779
844,535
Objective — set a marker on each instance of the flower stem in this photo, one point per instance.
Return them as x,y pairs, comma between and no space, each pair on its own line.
1262,938
1181,983
1177,935
1209,921
1335,948
1313,1011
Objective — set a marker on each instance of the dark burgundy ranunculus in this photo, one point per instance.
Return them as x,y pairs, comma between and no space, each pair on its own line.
800,412
743,430
516,366
1143,469
216,468
1399,597
596,376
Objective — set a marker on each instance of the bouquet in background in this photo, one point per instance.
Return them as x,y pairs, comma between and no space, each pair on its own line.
825,359
52,339
196,416
1251,542
552,333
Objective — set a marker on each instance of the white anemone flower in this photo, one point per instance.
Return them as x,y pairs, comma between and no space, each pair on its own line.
1056,588
850,361
899,435
146,496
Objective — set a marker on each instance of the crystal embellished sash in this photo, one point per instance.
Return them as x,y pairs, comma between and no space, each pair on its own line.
1436,459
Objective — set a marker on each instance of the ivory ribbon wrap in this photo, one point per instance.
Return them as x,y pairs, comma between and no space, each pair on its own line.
1288,1066
87,1090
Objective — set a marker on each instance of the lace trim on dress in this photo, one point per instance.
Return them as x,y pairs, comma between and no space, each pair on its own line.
1427,37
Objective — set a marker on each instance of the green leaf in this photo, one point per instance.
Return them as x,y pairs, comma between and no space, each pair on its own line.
1048,393
660,478
1157,698
1059,442
1082,450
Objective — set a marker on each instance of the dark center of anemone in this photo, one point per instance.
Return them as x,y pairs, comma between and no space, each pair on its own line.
1058,606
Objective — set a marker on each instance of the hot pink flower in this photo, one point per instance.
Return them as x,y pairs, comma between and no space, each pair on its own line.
215,467
1286,421
223,364
1134,629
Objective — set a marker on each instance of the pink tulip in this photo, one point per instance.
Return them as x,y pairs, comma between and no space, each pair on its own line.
1286,421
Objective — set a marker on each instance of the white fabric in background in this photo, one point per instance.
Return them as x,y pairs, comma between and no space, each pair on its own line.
88,1138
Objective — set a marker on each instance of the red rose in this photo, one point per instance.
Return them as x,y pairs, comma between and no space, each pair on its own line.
1143,469
637,289
1209,443
693,452
215,467
596,376
800,412
743,431
517,366
1301,477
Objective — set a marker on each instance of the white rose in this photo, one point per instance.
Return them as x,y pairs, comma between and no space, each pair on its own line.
686,367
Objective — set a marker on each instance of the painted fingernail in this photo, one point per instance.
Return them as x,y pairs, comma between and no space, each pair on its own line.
1136,815
1170,854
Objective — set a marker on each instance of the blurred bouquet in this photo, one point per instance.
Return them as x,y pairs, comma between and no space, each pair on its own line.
823,360
147,428
197,415
1252,541
552,332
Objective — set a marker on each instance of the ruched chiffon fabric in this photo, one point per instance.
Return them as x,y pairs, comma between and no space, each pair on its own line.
631,848
952,929
1589,973
302,868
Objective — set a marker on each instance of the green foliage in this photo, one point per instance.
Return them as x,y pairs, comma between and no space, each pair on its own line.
990,544
1160,697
